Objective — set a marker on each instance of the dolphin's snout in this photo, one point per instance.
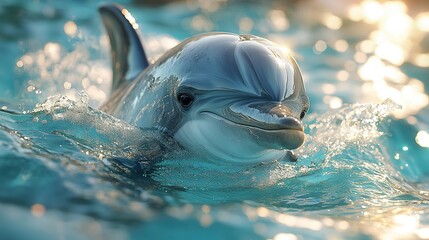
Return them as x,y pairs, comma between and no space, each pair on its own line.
266,115
291,123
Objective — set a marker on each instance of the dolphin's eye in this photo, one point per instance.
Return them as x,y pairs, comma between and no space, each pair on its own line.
185,99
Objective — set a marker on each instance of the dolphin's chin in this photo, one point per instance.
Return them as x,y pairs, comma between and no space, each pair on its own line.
285,137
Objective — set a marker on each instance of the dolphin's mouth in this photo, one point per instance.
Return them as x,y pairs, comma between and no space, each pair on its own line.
287,123
282,136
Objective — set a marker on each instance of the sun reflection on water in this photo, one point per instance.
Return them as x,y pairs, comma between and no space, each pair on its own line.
331,21
422,138
54,70
393,42
377,62
70,28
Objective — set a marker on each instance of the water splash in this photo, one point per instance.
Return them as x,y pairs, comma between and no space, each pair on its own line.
342,140
56,102
97,131
351,125
54,70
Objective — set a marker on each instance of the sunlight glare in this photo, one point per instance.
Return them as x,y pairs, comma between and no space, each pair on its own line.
130,18
423,233
397,25
422,60
395,75
342,75
367,46
372,11
19,64
391,52
53,51
422,21
328,88
245,24
422,139
70,28
285,236
278,20
38,210
372,70
333,102
319,47
331,21
355,13
341,45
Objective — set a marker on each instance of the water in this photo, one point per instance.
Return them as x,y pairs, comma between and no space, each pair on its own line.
69,171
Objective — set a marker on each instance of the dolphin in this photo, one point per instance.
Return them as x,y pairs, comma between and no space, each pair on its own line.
222,96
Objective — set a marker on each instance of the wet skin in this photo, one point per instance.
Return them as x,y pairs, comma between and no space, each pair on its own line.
235,98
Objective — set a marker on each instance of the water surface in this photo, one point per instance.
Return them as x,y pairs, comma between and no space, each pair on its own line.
70,171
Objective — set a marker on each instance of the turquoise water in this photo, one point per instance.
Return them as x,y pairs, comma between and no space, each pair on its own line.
68,170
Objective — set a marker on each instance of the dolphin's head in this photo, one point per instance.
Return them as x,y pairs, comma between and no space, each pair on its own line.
241,98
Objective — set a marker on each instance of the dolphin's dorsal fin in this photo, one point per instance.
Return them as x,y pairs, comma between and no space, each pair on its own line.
128,55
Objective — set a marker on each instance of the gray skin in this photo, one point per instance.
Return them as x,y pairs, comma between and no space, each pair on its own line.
227,97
